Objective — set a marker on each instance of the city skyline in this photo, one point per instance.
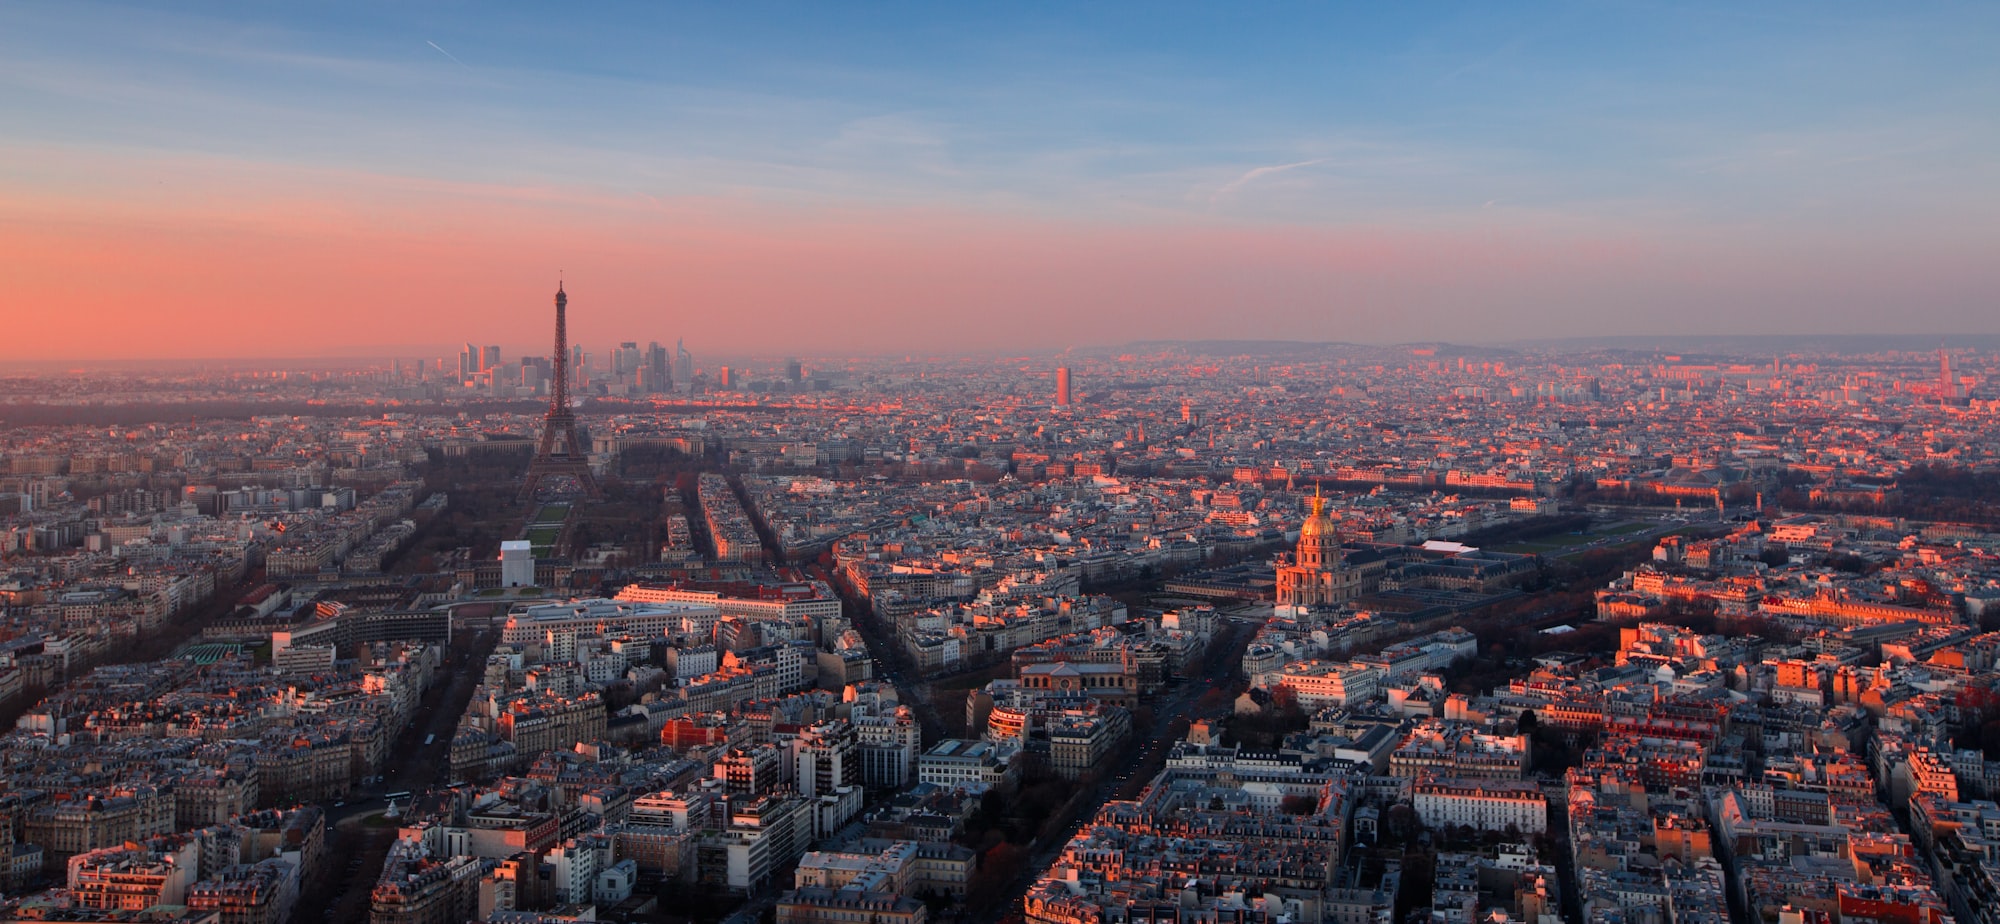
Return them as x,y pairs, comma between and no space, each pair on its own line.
231,181
999,464
1245,631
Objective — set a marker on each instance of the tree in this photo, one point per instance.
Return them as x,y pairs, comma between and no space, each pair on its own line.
997,867
1298,804
1989,739
1417,883
1400,824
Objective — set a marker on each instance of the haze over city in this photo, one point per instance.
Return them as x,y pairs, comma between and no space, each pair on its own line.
847,463
224,180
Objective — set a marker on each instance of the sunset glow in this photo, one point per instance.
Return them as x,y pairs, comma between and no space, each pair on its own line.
999,463
221,182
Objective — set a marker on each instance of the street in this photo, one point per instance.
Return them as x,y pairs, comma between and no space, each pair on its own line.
1233,635
356,850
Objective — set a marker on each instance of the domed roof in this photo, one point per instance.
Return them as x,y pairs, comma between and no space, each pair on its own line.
1317,524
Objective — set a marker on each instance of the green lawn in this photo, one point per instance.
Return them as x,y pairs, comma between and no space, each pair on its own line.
546,528
1541,544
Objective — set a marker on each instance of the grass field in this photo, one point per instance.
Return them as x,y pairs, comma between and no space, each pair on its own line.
546,528
1545,544
543,537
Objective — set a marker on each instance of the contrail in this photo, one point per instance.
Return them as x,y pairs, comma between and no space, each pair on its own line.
1238,183
453,57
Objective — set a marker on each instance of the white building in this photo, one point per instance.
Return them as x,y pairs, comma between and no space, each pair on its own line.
1488,805
802,603
614,883
517,563
573,871
957,762
591,617
889,746
692,661
1324,683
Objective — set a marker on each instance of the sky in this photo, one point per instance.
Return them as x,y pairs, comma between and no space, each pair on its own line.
198,179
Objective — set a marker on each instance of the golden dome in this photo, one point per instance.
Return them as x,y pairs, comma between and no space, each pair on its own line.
1317,524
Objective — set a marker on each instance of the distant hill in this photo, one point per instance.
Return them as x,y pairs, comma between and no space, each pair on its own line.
1768,344
1295,349
1712,345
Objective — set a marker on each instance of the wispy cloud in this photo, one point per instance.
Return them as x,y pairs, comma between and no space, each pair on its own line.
1259,173
1103,131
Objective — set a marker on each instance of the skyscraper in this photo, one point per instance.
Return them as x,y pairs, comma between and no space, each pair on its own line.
683,366
1062,386
490,359
468,363
658,366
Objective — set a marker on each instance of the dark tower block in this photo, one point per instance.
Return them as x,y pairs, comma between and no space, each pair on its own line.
561,463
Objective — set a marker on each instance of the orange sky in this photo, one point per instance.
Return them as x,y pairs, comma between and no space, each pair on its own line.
199,258
209,264
392,181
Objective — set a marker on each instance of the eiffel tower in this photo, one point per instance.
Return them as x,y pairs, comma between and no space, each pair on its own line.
560,461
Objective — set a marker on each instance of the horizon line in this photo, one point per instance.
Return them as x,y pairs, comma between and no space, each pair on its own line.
1715,342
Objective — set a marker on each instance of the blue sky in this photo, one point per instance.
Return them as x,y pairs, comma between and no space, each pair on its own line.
1819,130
